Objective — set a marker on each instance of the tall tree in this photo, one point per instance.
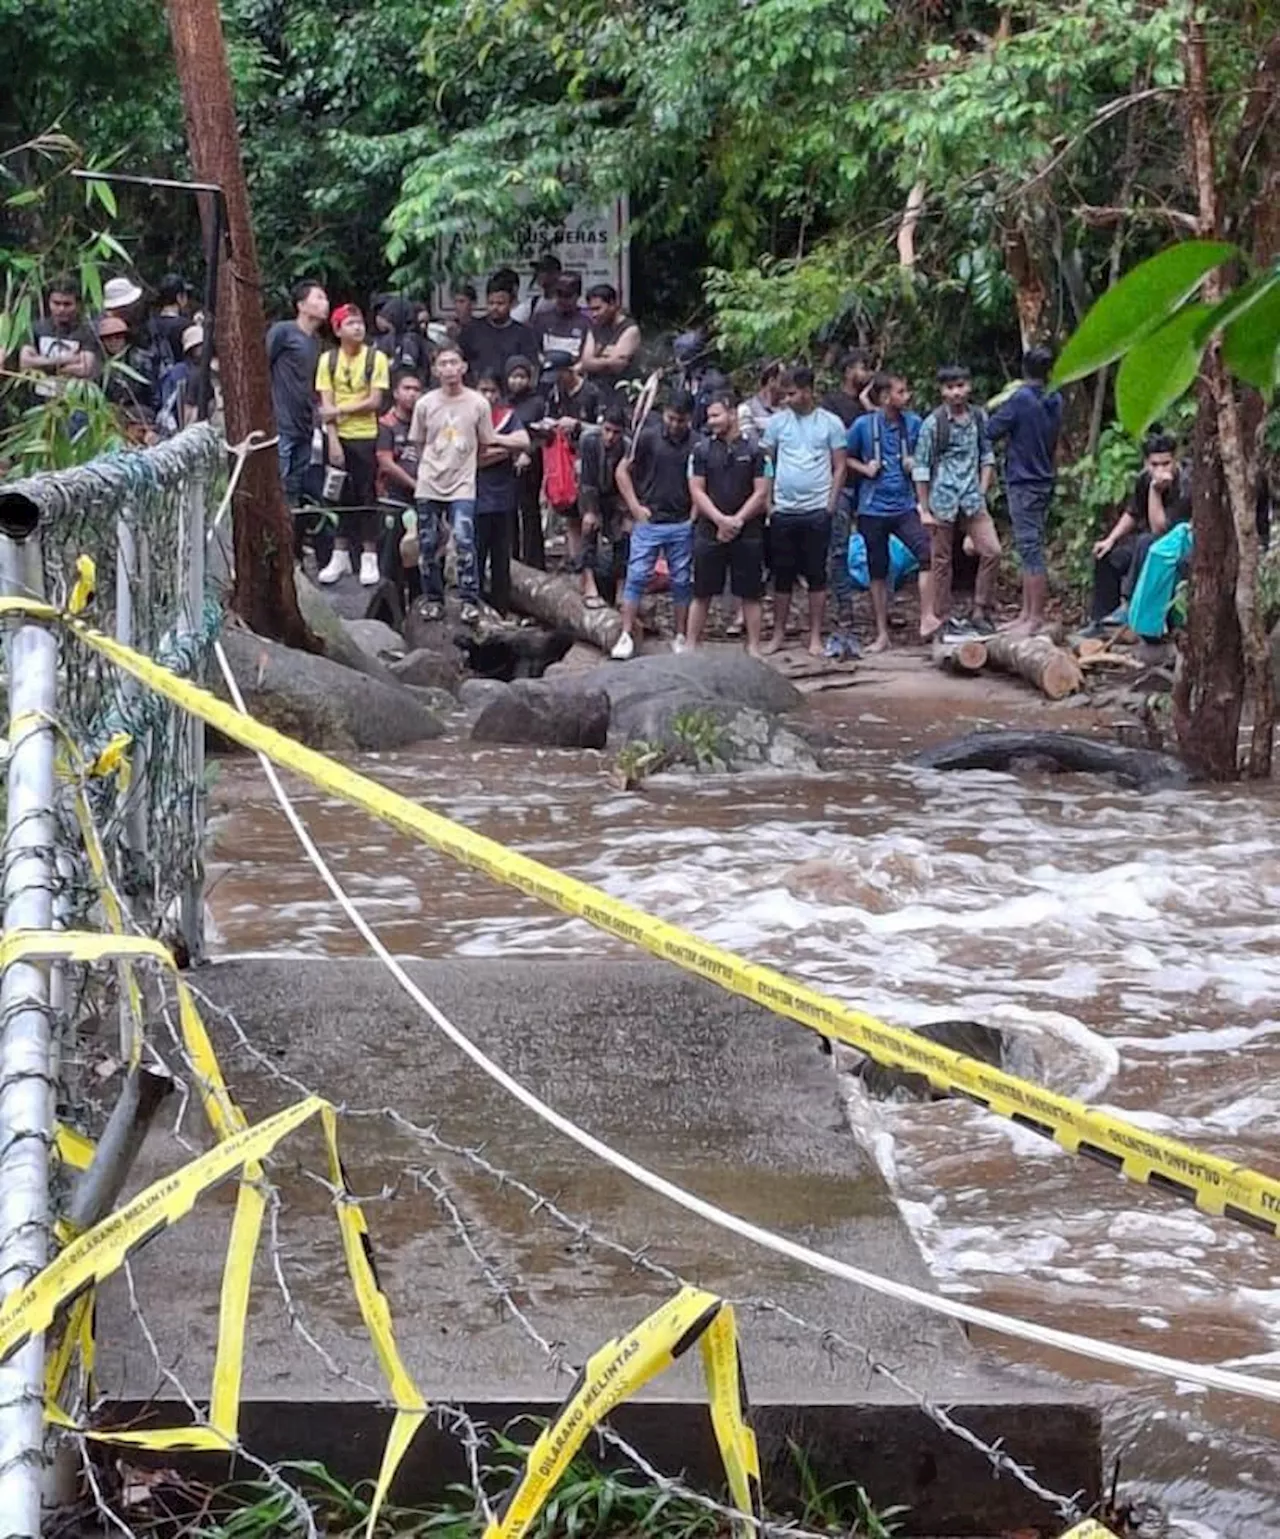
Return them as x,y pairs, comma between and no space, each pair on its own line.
264,596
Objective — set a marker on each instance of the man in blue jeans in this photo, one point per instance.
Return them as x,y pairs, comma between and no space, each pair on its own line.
881,445
449,427
655,488
1030,419
805,445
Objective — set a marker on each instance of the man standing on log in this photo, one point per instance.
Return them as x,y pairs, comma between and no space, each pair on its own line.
881,444
952,467
449,427
1031,420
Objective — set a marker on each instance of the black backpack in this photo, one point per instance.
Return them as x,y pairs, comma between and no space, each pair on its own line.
370,358
877,426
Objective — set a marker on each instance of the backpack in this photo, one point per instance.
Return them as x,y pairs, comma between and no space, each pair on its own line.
370,357
560,472
877,426
942,434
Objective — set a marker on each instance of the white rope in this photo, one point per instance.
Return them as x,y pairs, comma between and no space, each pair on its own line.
247,446
1208,1376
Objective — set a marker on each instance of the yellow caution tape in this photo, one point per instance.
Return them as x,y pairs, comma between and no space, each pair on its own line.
73,1148
100,1251
1089,1529
615,1373
114,760
1214,1184
85,586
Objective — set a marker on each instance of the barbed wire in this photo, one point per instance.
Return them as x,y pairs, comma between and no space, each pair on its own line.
837,1345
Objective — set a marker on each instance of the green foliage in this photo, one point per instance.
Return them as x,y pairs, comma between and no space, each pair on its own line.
841,1508
1160,368
699,735
1091,492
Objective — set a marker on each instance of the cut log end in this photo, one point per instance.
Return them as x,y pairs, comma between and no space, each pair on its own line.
1053,671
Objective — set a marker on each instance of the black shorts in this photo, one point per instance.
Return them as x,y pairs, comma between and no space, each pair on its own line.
876,531
798,548
741,560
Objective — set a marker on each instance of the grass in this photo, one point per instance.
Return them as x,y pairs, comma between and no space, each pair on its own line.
588,1503
698,742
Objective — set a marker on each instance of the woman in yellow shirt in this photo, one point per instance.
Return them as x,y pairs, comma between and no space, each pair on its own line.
351,380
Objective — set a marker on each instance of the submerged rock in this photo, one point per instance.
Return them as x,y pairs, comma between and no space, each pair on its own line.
1062,752
988,1044
545,715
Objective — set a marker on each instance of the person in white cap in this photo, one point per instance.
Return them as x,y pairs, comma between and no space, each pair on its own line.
178,385
119,296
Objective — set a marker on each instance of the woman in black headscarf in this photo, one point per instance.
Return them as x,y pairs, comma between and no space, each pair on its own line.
396,321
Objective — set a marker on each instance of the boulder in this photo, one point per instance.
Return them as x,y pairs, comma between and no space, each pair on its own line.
716,708
375,638
510,652
547,715
987,1044
475,694
425,668
322,703
325,624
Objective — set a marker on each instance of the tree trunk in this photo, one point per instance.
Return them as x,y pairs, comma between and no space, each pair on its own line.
1208,697
557,601
1054,672
264,593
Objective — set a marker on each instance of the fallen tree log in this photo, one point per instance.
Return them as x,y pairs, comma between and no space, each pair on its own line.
968,656
1061,751
1053,671
555,600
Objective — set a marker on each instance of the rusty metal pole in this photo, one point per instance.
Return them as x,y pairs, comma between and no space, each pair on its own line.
264,594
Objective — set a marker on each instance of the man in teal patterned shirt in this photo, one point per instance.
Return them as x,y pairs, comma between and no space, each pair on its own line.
952,467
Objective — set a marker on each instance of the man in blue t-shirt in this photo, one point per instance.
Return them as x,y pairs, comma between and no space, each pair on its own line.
805,446
1030,420
881,444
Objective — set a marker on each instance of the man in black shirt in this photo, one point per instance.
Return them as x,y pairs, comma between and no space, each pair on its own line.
530,406
655,488
606,536
62,346
293,352
563,326
855,375
490,341
729,491
1161,499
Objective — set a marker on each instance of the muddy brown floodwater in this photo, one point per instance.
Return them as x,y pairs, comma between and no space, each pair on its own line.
1133,936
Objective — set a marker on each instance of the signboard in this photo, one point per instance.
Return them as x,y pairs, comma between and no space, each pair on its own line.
594,243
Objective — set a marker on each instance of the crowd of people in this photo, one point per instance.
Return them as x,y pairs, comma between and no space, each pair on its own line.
146,355
481,428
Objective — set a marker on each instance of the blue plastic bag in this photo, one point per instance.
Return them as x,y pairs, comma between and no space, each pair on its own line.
901,562
1157,582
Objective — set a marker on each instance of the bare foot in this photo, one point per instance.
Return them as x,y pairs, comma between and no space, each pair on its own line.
1019,625
929,624
880,644
755,651
815,649
774,644
1018,630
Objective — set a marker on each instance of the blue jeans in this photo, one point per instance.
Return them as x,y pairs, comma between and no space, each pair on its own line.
459,516
295,459
648,540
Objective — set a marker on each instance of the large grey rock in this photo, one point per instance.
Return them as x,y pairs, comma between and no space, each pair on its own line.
322,703
375,638
548,715
427,668
717,708
326,624
475,694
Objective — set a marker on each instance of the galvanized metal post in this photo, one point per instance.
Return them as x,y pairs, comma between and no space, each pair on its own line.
191,554
26,1127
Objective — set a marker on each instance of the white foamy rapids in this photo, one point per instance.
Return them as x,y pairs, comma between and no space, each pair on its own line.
1131,940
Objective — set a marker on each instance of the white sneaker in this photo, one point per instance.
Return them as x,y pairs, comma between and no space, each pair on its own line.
370,577
623,648
679,644
338,568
